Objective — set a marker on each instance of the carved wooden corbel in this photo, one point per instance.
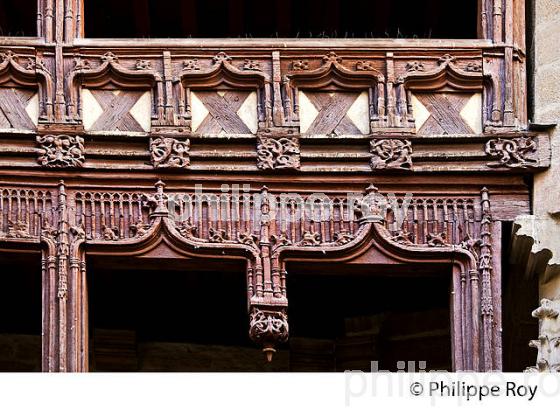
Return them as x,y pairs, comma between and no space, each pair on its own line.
268,327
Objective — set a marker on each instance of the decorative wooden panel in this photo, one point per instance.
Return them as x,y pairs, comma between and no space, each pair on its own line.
447,113
340,113
23,212
116,110
229,112
110,215
437,221
19,108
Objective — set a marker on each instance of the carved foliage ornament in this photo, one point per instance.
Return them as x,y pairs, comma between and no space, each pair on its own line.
343,237
143,65
139,229
332,57
391,154
512,153
268,327
415,66
18,229
251,65
278,153
402,237
365,66
169,152
221,57
191,65
300,65
60,151
437,239
310,239
9,56
109,58
187,229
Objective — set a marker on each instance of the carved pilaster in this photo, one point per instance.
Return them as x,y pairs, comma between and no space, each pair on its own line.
63,264
485,268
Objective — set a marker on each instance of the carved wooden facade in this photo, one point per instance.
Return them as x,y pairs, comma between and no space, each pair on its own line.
443,120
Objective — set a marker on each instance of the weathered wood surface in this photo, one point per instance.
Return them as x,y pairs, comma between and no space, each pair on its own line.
107,205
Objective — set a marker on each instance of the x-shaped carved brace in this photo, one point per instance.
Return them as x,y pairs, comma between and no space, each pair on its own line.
445,110
332,116
12,105
222,111
116,110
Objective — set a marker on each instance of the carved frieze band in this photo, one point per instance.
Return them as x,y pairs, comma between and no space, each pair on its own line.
389,84
230,93
124,215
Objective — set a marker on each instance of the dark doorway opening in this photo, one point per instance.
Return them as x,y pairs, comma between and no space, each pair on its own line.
18,18
347,320
281,18
169,317
520,297
20,304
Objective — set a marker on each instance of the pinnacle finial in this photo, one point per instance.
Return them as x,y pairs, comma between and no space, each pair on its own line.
371,188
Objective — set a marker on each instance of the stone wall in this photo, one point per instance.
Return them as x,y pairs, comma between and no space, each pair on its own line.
536,242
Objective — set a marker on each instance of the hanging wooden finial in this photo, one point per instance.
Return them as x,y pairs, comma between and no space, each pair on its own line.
269,352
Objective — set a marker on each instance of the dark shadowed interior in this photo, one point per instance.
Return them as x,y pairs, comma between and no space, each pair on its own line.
160,320
281,18
20,304
18,18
